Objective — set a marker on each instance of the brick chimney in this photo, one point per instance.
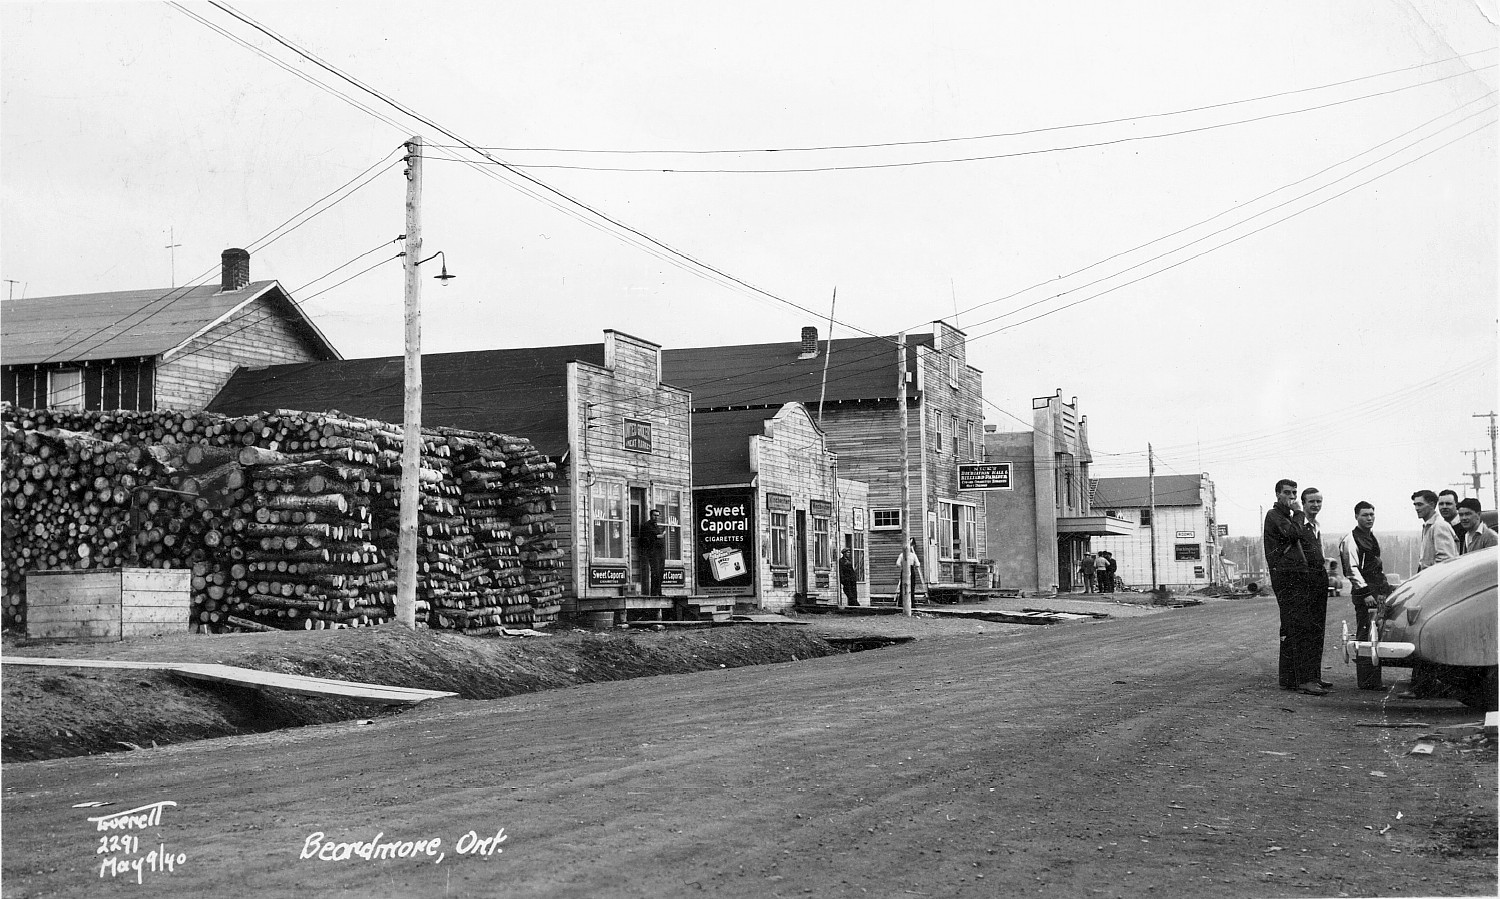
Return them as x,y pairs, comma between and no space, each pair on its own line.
236,269
809,343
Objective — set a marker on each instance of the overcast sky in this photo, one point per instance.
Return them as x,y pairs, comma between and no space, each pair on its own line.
1317,180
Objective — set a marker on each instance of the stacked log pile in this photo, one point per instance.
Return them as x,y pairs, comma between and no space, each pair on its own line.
287,519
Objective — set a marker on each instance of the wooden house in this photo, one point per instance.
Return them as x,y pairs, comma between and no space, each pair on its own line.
621,438
162,349
1184,530
770,510
850,388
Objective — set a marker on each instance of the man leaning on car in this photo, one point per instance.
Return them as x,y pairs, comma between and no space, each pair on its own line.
1477,535
1438,543
1359,553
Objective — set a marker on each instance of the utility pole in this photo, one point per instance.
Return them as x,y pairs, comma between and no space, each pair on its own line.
411,443
171,249
827,354
1476,474
1494,482
1151,476
906,585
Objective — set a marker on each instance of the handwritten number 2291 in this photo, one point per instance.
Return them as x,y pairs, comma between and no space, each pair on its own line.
123,844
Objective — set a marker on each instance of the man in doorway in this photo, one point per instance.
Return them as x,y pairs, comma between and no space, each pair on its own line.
1359,555
652,541
1448,508
1317,575
848,578
1282,538
1438,544
1477,534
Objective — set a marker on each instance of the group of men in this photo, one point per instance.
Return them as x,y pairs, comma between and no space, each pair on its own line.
1293,542
1098,572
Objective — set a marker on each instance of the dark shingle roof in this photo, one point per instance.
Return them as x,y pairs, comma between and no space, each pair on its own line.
1171,490
130,323
721,445
770,374
522,392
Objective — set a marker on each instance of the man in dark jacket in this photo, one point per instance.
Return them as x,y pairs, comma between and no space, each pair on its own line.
848,577
1282,539
652,540
1359,555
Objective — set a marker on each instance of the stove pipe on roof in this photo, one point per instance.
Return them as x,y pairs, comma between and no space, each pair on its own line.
236,269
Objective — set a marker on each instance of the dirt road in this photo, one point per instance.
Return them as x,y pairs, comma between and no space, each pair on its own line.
1150,756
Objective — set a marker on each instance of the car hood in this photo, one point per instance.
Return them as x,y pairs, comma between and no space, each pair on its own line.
1448,610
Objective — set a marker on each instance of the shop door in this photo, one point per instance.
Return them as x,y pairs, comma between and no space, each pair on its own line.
1067,565
801,549
638,513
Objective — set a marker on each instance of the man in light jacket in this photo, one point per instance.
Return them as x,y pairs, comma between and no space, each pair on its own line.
1477,534
1438,543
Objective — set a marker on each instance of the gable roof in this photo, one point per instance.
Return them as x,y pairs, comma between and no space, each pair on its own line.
130,323
721,445
771,374
1124,493
523,392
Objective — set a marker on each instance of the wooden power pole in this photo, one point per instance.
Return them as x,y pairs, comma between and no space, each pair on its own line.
906,585
411,443
1494,463
1151,476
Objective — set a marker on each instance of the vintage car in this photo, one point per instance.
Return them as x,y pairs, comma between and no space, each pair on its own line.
1442,622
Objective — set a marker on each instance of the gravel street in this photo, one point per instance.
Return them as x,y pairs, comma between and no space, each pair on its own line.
1149,755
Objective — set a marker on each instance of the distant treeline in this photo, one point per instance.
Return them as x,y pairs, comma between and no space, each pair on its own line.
1398,550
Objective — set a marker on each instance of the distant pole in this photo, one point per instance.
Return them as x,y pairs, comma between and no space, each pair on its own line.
905,564
171,249
1494,482
1151,475
411,442
1476,474
827,353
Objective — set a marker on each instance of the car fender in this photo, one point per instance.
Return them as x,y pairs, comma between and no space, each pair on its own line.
1462,633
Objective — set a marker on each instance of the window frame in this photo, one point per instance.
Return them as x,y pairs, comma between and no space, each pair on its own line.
822,544
671,524
605,490
877,514
55,395
781,551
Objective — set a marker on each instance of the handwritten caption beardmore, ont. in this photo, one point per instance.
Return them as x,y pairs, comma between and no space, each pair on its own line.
317,847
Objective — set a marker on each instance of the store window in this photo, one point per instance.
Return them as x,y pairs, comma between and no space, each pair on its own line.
822,548
609,519
855,543
669,504
957,532
65,389
780,556
885,519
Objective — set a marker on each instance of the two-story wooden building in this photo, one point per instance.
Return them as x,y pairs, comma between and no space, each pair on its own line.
856,405
1184,531
167,348
770,510
621,437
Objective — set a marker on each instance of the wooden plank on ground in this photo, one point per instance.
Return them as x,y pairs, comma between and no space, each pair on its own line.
230,674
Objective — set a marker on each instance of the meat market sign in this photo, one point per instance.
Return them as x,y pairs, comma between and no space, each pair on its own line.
637,435
984,476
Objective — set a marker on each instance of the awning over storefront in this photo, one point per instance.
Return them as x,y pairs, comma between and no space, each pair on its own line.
1095,526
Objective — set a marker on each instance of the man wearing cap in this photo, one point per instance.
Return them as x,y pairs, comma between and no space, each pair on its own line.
1477,534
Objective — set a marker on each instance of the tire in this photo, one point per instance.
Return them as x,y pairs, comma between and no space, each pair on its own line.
1483,691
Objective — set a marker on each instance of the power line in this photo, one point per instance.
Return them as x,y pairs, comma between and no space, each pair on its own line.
978,137
981,158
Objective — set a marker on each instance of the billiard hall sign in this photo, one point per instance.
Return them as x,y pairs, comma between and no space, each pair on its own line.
984,476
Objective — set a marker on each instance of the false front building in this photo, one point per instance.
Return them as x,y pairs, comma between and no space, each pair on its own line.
850,388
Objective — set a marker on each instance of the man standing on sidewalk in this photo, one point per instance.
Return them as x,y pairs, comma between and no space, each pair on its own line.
1359,554
1438,543
1282,540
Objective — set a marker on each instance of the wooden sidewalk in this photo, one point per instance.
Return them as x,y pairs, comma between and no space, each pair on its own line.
250,677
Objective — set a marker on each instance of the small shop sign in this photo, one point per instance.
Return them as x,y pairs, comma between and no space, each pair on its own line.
674,577
820,508
1186,535
606,575
1188,552
984,476
637,435
778,502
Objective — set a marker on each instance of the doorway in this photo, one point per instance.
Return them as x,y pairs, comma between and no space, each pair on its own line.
638,513
800,565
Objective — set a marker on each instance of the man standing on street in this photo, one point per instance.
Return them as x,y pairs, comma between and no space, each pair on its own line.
1317,576
1477,534
1101,572
1282,540
1086,572
1438,543
849,578
1448,508
1359,554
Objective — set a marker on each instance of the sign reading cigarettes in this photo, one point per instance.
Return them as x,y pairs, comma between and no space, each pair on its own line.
725,524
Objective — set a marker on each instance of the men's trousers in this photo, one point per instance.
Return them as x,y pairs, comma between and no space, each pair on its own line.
1300,648
1366,673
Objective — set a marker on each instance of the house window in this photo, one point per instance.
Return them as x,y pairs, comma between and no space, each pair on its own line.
65,388
855,543
936,426
1145,518
969,440
885,519
609,519
953,434
669,505
957,532
953,370
779,544
821,547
